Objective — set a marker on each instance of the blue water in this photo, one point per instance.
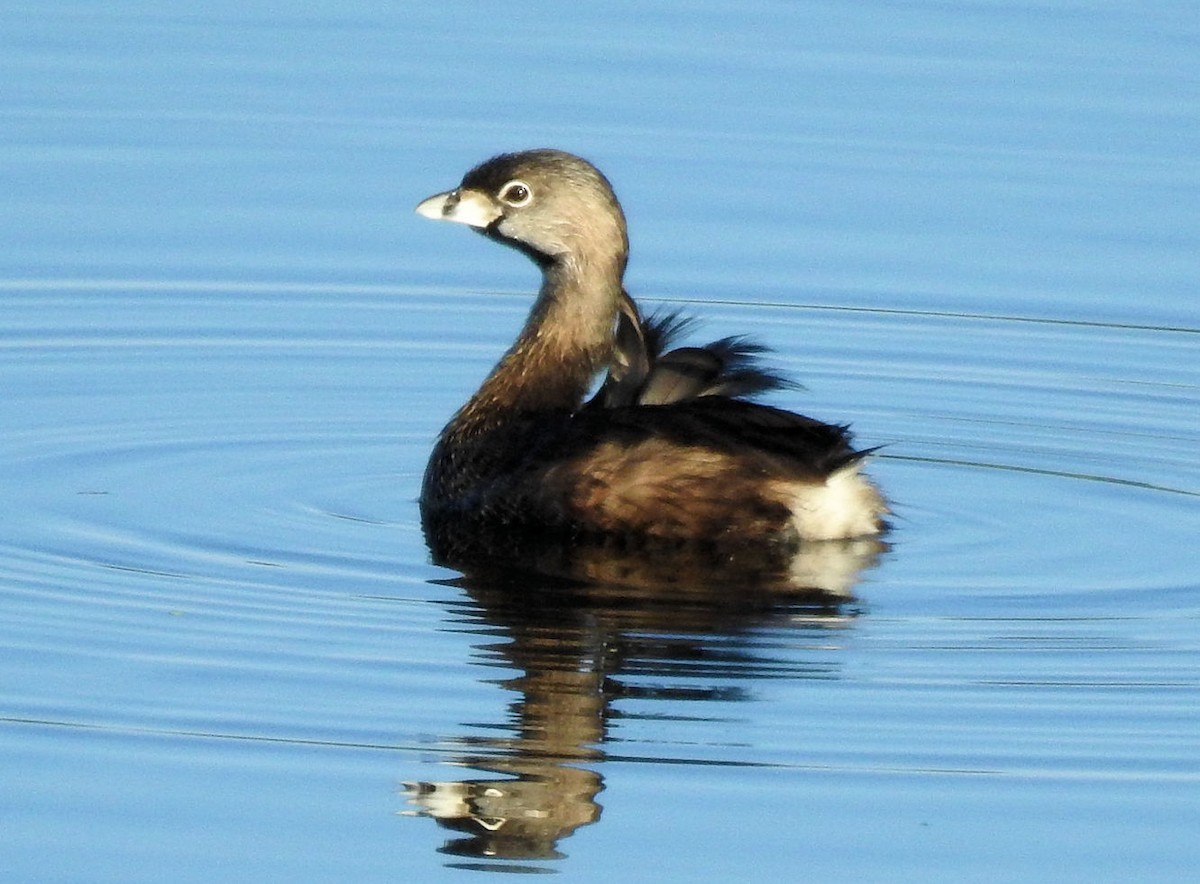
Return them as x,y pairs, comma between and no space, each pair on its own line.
226,345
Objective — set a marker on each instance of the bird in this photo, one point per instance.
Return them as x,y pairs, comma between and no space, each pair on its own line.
595,429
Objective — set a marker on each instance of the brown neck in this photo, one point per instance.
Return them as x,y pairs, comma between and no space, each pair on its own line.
567,339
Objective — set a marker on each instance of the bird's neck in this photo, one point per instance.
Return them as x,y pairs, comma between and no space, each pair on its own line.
566,340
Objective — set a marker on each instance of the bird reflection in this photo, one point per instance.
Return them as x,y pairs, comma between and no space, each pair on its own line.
577,648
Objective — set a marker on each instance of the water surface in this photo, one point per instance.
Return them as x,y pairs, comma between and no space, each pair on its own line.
226,346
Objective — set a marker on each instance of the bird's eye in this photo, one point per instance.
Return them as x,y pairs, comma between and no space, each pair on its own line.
516,193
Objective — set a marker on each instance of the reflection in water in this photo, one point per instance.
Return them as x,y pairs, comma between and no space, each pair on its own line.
666,568
578,648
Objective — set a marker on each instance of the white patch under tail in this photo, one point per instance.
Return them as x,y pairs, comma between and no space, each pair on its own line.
844,506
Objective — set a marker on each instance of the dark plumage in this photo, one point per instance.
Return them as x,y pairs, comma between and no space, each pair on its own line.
670,450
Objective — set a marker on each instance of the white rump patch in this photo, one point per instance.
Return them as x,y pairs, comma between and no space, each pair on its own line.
844,506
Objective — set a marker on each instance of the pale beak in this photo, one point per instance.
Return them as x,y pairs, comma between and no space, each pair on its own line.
471,207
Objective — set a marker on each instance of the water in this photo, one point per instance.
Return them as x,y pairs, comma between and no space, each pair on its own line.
226,346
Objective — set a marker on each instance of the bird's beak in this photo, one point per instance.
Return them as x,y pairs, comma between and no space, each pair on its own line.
471,207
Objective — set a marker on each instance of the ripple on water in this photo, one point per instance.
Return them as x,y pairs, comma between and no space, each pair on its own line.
1035,466
1030,459
1020,454
211,531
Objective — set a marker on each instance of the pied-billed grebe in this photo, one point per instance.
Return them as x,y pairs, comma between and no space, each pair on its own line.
669,451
